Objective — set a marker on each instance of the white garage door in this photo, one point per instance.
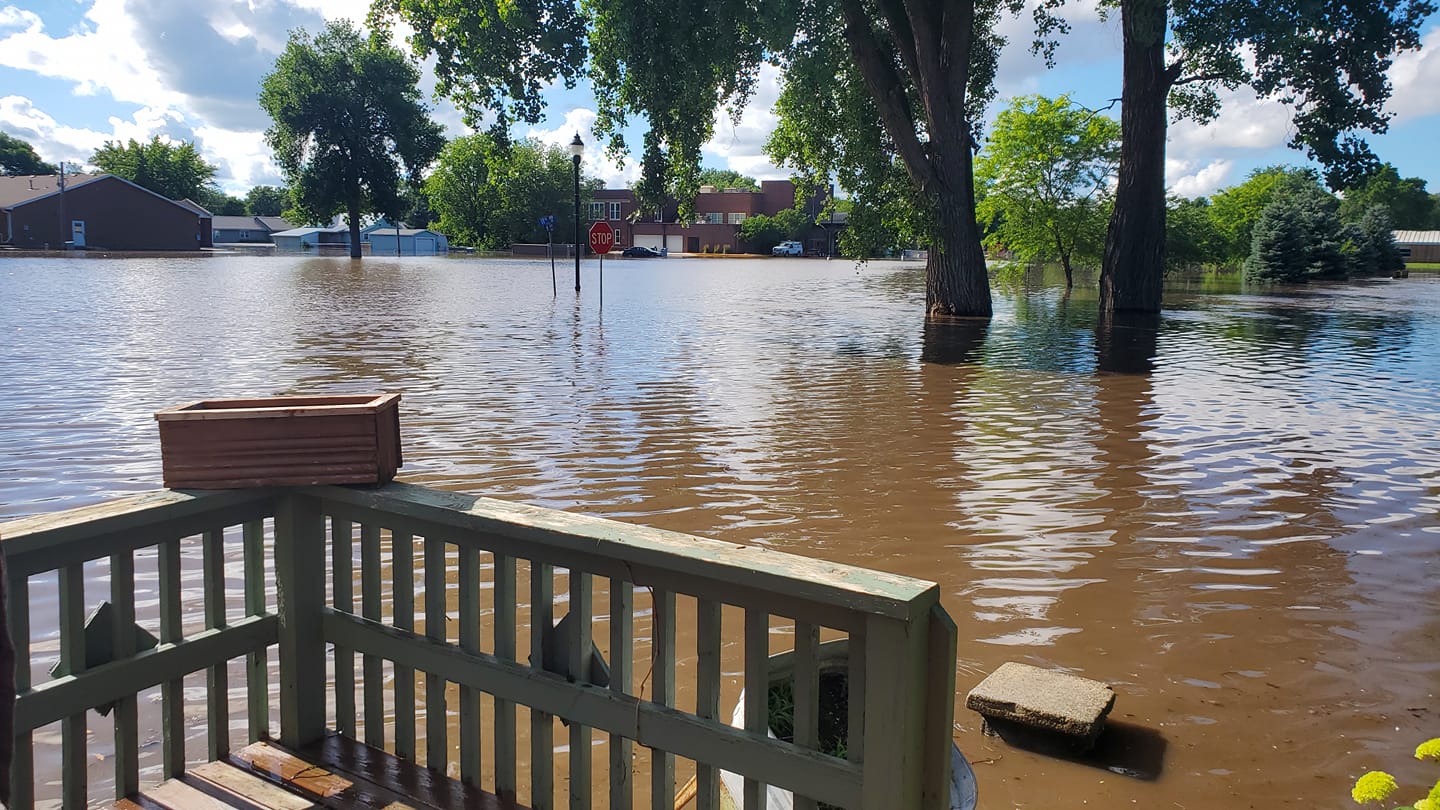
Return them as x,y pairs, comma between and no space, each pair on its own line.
675,244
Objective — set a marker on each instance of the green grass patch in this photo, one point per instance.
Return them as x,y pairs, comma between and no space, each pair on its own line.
1430,266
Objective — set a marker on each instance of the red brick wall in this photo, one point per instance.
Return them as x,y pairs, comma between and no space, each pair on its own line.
117,216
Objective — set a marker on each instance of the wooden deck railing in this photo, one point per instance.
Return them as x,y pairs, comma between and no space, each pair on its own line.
458,596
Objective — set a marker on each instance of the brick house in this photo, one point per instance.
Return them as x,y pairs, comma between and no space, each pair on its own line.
96,211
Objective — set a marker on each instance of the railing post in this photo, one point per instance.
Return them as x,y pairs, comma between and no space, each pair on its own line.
895,698
300,597
939,709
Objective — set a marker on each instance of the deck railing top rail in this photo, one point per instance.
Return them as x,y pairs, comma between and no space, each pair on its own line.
49,541
601,546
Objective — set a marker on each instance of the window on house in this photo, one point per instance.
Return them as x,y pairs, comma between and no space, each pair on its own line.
597,210
615,209
735,218
660,215
710,218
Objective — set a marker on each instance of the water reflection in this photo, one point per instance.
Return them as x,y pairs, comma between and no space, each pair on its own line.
1228,512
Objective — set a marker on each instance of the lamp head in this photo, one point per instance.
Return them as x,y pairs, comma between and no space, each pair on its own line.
577,146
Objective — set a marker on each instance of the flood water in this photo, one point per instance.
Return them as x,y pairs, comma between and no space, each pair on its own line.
1229,514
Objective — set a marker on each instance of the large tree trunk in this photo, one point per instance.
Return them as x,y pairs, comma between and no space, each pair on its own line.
1134,264
354,219
957,283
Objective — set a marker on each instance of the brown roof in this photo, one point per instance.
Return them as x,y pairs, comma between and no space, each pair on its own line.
25,187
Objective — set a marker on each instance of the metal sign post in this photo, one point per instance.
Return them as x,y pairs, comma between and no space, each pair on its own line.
548,223
602,238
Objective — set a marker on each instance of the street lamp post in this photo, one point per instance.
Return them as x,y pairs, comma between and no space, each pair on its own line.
577,148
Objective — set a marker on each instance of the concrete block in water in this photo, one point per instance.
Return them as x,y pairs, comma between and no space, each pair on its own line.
1044,699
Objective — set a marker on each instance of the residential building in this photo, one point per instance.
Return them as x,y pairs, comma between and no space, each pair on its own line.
247,230
336,236
96,211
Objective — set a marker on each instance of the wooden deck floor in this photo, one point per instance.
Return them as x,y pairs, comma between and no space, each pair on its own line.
334,773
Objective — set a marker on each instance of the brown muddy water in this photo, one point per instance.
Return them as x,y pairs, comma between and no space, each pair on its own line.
1230,515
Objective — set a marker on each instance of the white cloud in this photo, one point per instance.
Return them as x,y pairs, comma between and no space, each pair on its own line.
580,120
741,146
18,19
1183,178
1246,121
1415,76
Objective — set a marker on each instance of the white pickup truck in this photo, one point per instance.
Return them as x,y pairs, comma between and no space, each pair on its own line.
788,249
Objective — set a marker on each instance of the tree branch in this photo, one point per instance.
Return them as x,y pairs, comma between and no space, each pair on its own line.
902,34
1198,77
888,92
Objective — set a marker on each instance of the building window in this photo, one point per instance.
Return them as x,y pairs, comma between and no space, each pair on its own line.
710,218
735,218
597,210
660,215
615,209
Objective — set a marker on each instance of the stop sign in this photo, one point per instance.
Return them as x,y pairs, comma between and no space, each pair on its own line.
602,237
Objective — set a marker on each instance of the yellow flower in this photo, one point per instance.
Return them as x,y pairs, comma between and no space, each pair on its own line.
1425,804
1374,786
1430,749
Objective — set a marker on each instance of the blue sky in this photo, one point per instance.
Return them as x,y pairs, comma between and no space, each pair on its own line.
74,73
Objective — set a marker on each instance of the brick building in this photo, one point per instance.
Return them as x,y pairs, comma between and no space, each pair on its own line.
718,214
96,211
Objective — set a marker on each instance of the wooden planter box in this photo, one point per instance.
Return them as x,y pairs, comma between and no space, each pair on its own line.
281,441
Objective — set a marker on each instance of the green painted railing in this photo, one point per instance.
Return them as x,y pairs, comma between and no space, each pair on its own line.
455,635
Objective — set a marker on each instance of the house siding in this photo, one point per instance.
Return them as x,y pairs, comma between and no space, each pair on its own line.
117,216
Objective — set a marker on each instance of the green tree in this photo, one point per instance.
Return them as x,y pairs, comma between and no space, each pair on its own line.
349,126
1405,200
763,232
725,178
18,157
921,72
217,202
1328,59
490,194
1043,176
1192,239
266,201
1235,210
174,170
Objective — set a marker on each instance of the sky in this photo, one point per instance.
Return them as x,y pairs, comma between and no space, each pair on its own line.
76,73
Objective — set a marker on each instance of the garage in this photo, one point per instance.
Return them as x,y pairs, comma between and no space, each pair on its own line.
675,244
407,242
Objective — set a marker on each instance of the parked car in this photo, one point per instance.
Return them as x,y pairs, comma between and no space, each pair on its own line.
641,252
788,249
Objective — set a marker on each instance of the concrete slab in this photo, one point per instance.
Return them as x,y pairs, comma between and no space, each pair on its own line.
1043,699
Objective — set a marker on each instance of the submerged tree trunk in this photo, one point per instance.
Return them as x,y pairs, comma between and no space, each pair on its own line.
957,283
354,218
1134,263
